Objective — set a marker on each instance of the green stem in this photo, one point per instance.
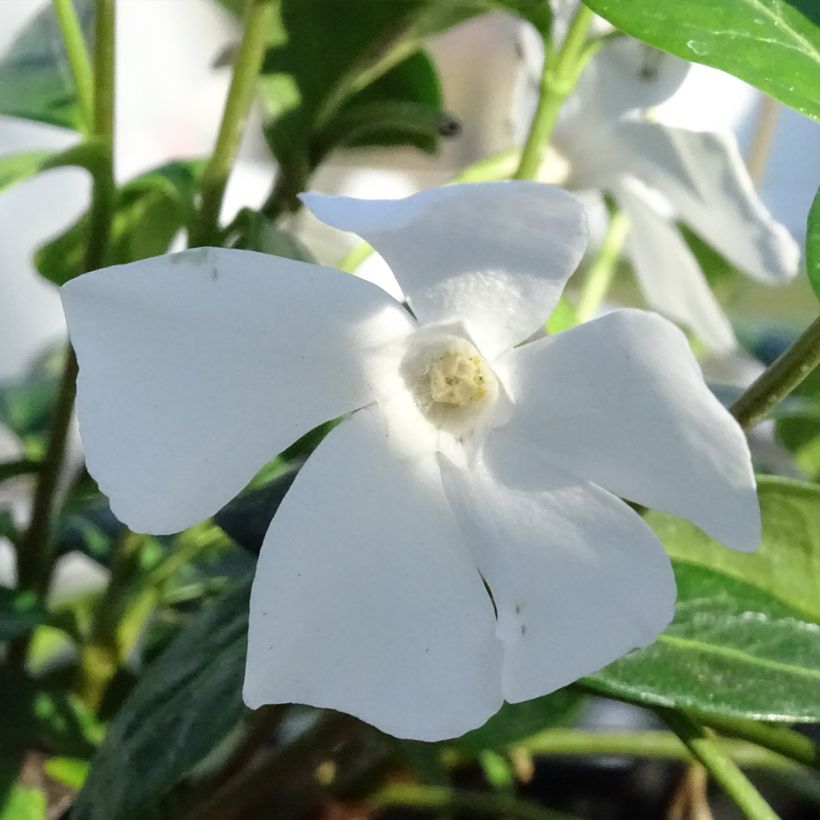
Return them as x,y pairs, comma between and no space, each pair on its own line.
720,766
102,201
780,378
36,553
78,59
602,270
258,22
102,654
654,744
473,803
558,77
779,739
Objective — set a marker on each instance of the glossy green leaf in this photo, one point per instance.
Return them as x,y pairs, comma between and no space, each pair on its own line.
516,721
35,78
787,564
813,245
772,44
733,650
150,211
187,701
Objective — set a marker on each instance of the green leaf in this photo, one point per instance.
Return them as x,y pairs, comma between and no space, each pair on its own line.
772,44
15,168
813,245
20,612
187,701
150,211
24,803
402,107
787,564
35,79
797,425
733,650
70,771
26,406
254,231
517,721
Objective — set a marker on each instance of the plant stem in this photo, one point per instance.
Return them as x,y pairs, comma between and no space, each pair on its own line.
779,739
447,798
779,378
258,21
720,766
761,146
654,744
36,553
602,270
558,77
78,59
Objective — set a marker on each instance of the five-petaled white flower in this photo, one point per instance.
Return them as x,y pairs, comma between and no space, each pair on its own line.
467,457
606,141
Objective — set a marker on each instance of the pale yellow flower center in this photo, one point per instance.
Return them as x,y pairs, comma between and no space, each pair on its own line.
458,378
450,382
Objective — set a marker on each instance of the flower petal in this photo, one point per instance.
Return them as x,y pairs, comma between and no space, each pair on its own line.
703,176
366,598
494,255
625,75
620,401
198,368
668,273
577,577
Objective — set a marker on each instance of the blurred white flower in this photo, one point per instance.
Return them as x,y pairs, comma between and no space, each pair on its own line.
607,141
466,457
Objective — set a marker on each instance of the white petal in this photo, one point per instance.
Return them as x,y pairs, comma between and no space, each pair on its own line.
577,577
625,75
493,255
705,179
366,598
668,273
197,368
620,401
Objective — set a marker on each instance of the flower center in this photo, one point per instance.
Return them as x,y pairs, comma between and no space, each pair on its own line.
458,378
450,382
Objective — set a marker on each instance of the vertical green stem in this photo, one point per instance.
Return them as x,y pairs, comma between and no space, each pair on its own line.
36,552
78,59
601,271
258,22
779,378
719,765
558,77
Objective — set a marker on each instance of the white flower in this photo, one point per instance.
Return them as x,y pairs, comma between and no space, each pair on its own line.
466,458
606,141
